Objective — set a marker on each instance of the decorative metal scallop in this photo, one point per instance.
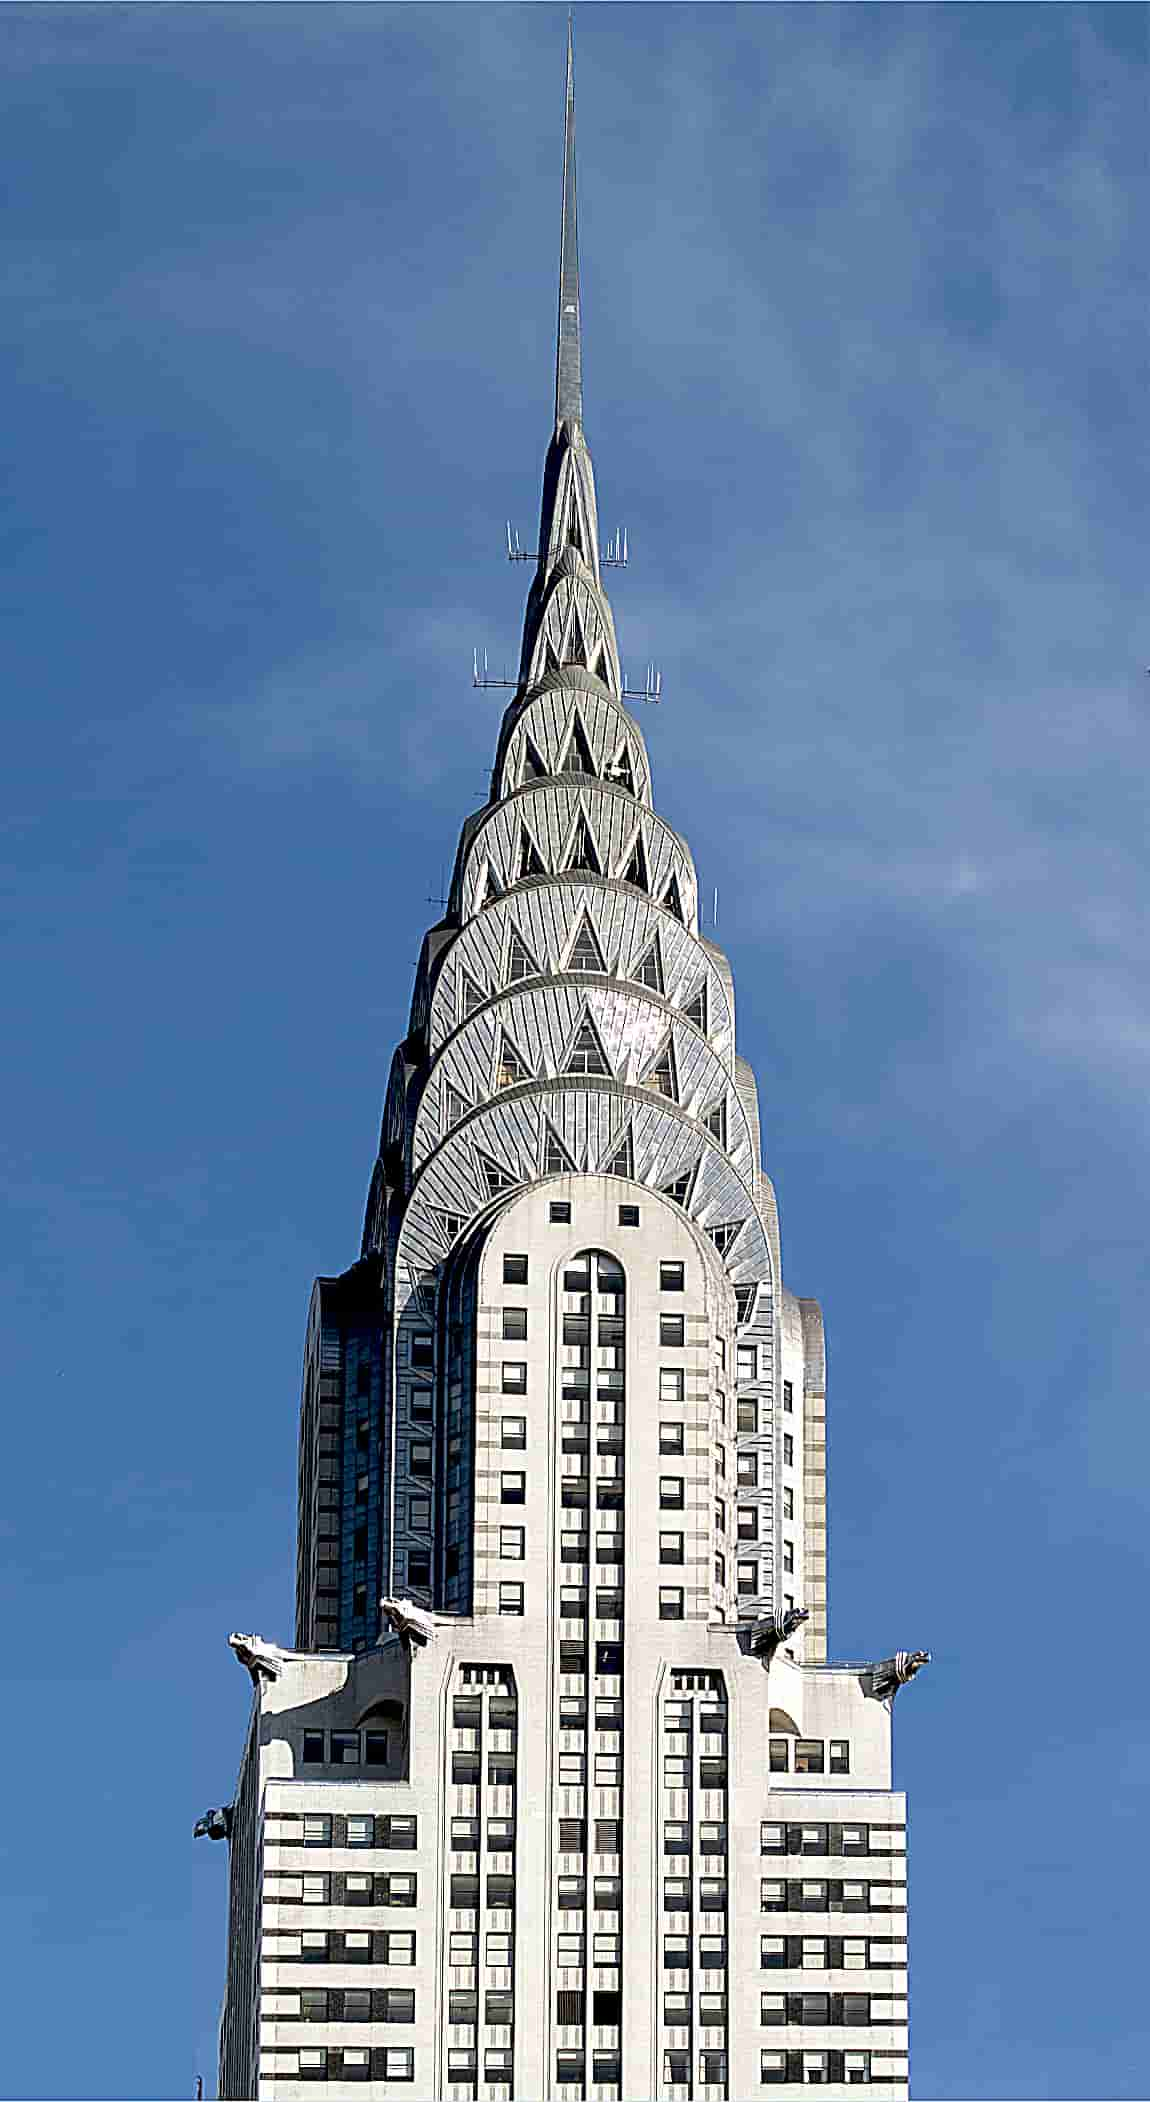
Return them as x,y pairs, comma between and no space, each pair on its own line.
550,814
545,727
546,917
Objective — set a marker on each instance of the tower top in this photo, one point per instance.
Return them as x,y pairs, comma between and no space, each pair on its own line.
568,359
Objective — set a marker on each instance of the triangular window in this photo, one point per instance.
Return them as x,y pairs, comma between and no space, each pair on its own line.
661,1076
586,955
511,1067
520,962
452,1224
490,888
715,1120
471,994
574,533
575,650
649,969
621,770
556,1159
622,1161
587,1054
636,870
672,900
583,855
599,663
680,1189
696,1008
577,759
455,1106
550,660
533,768
722,1236
494,1176
744,1303
529,862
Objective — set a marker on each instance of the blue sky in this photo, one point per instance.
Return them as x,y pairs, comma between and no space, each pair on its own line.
864,309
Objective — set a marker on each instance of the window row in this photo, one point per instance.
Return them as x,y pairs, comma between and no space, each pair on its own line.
821,2010
820,1952
712,2068
826,1897
386,2064
326,1945
345,1747
467,1769
711,1894
606,1893
463,2007
308,1831
677,1952
463,1949
391,2003
571,1950
394,1889
831,1839
822,2069
810,1755
463,2063
712,2009
605,2070
464,1893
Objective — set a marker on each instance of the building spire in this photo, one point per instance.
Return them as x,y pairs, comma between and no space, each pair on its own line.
568,361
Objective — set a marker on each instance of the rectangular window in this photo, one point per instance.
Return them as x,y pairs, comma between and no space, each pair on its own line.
772,1839
814,1953
809,1755
572,1769
779,1749
712,1951
418,1567
419,1459
398,2064
511,1543
670,1547
840,1751
513,1432
747,1361
670,1383
773,1952
605,2005
462,1949
676,1838
671,1331
560,1214
773,2068
512,1488
788,1450
345,1747
514,1378
676,1771
317,1831
772,1895
676,1952
788,1503
419,1513
788,1396
772,2009
570,1948
788,1555
607,1829
510,1598
628,1215
361,1831
747,1417
747,1578
670,1492
498,1950
676,2064
670,1602
515,1324
748,1522
670,1437
608,1769
515,1269
670,1277
856,2068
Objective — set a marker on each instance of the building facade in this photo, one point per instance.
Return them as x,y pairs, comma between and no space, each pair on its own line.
557,1794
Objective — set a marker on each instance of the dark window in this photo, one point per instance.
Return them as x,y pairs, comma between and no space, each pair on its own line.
628,1215
560,1214
788,1395
840,1755
747,1414
670,1492
569,2009
670,1277
670,1437
514,1324
345,1747
418,1567
463,2005
607,1838
375,1747
780,1755
670,1603
671,1331
606,2008
422,1348
515,1269
809,1755
608,1656
313,1747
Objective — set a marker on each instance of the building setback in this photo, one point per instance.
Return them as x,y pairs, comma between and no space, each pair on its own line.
557,1795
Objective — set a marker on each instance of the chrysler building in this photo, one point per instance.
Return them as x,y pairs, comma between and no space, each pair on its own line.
557,1795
